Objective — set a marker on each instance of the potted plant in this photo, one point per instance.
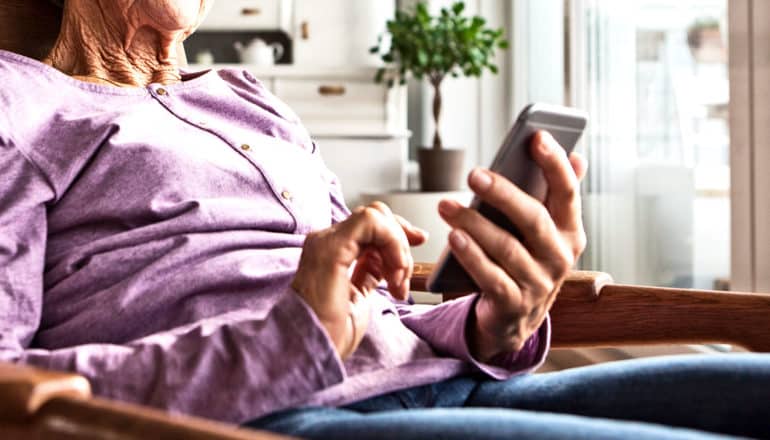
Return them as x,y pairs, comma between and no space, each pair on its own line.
434,48
704,37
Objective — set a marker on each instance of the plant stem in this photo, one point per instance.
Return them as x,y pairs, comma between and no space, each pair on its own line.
437,100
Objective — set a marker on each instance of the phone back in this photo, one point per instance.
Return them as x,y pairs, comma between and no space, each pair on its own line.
515,162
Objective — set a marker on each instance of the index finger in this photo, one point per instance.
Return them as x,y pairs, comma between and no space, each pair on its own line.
563,198
374,227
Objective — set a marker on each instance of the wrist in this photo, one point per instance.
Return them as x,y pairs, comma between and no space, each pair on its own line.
480,343
489,339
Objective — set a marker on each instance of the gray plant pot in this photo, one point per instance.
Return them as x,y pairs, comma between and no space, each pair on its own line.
440,169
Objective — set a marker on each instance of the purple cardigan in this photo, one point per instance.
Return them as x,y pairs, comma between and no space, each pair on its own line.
148,237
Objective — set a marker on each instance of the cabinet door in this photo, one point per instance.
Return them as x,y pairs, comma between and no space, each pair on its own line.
339,32
342,106
249,15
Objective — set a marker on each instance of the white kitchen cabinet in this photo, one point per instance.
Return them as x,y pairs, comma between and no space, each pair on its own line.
243,15
339,32
325,33
346,106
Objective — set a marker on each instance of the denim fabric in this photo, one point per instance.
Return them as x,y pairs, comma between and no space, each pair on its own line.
678,397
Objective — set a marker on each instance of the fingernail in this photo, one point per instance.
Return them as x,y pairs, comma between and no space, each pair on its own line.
545,150
481,179
448,208
425,234
545,144
417,229
458,240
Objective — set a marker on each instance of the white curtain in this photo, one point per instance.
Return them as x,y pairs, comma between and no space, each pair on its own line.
647,220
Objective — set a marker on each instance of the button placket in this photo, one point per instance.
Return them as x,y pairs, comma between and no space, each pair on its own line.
285,194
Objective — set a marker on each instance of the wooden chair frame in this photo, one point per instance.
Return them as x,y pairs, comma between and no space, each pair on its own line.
591,311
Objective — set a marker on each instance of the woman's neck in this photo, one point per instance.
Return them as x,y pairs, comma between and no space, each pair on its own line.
93,48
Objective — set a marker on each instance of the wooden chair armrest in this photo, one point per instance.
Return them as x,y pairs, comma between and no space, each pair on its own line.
640,315
592,311
41,404
581,285
24,390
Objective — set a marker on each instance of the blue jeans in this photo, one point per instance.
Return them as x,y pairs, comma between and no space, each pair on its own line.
679,397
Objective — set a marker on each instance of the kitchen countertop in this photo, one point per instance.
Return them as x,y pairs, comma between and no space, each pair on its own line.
294,70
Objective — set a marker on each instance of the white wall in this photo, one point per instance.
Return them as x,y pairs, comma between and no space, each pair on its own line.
476,112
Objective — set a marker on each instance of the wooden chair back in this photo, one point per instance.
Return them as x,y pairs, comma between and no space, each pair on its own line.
29,27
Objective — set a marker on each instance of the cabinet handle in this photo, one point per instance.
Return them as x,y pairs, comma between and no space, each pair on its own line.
332,90
305,30
250,11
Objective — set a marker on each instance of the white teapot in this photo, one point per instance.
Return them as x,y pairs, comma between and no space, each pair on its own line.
258,52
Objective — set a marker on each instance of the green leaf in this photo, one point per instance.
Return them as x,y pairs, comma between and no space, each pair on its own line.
449,43
422,58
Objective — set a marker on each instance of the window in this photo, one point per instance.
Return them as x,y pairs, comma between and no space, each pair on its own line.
654,76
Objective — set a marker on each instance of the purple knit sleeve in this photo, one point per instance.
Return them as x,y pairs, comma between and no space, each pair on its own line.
443,327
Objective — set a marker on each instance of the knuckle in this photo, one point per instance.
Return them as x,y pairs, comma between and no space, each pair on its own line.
521,309
541,223
509,249
380,206
343,247
497,287
312,239
543,286
563,262
536,312
370,214
572,189
581,241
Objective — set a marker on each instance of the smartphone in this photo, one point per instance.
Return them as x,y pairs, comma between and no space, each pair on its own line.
515,162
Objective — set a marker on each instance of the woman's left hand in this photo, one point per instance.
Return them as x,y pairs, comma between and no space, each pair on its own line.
519,279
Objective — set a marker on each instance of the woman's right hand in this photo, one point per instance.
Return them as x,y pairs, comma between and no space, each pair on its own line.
376,245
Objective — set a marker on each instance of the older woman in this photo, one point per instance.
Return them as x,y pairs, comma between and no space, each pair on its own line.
176,238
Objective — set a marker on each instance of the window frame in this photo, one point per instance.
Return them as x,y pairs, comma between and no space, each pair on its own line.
749,28
749,124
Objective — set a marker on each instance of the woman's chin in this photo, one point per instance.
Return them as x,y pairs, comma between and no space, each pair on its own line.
174,15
